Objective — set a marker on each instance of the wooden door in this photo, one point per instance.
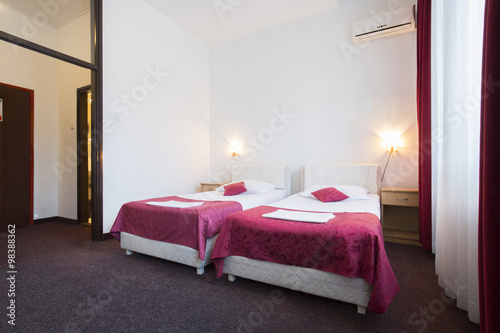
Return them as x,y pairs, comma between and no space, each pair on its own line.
16,156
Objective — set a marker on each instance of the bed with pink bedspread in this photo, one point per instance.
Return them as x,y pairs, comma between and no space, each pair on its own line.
187,232
189,226
343,258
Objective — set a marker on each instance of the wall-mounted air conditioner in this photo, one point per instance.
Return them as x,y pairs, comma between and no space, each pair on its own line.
384,24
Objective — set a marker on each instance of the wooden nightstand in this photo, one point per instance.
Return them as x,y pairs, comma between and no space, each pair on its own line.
400,215
210,186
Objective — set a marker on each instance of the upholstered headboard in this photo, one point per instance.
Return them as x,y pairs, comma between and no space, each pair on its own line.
366,175
278,175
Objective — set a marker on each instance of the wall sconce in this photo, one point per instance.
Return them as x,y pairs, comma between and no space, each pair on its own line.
390,149
235,153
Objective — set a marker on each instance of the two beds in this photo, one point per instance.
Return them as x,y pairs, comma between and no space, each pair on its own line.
343,259
187,235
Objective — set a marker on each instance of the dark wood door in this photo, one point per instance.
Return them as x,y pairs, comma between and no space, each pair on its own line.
16,157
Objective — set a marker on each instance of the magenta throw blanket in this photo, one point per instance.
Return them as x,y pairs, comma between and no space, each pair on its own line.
183,226
351,244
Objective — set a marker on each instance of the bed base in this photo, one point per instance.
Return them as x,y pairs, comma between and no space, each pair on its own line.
168,251
350,290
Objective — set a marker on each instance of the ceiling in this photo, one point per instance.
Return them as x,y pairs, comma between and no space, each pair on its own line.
52,12
216,21
213,21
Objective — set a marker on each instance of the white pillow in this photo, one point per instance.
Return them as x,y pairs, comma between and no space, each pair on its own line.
252,186
354,192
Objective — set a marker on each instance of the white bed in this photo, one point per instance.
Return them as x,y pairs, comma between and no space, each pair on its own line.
351,290
279,175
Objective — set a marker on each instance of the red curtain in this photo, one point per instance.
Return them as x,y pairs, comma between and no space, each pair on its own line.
489,178
424,8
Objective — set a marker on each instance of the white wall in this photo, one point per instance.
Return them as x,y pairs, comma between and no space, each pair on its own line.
156,106
342,97
31,70
158,90
73,39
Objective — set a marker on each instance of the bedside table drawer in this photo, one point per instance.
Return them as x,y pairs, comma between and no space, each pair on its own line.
400,199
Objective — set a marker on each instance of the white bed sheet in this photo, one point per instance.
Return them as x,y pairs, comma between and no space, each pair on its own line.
245,199
299,202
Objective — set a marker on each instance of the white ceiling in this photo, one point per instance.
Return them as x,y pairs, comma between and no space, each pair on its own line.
54,13
213,21
216,21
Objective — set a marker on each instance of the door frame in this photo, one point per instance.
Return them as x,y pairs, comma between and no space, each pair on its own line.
32,119
82,160
97,114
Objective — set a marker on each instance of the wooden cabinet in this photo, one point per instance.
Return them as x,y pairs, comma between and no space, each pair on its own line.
400,215
209,186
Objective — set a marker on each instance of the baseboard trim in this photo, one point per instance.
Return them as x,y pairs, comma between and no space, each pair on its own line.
105,236
54,219
45,220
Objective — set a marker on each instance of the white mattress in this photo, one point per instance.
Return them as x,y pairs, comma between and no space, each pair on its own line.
351,290
246,200
172,252
299,202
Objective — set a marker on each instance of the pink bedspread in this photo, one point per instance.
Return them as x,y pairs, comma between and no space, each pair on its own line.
184,226
351,244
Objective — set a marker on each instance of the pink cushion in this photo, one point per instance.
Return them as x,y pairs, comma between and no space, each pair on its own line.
235,188
329,194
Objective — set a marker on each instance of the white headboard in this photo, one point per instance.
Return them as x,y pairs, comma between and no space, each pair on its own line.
278,175
366,175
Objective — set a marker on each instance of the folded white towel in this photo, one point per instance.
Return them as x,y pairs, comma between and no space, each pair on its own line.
175,204
282,214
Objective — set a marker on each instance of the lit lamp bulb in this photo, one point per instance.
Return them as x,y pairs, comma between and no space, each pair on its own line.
392,149
392,141
392,144
235,152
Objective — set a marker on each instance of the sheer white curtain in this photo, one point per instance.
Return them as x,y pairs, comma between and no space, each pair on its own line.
457,63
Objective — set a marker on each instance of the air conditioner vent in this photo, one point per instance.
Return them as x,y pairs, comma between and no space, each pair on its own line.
384,24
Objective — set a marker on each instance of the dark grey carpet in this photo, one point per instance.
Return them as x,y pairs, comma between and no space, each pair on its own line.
66,283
